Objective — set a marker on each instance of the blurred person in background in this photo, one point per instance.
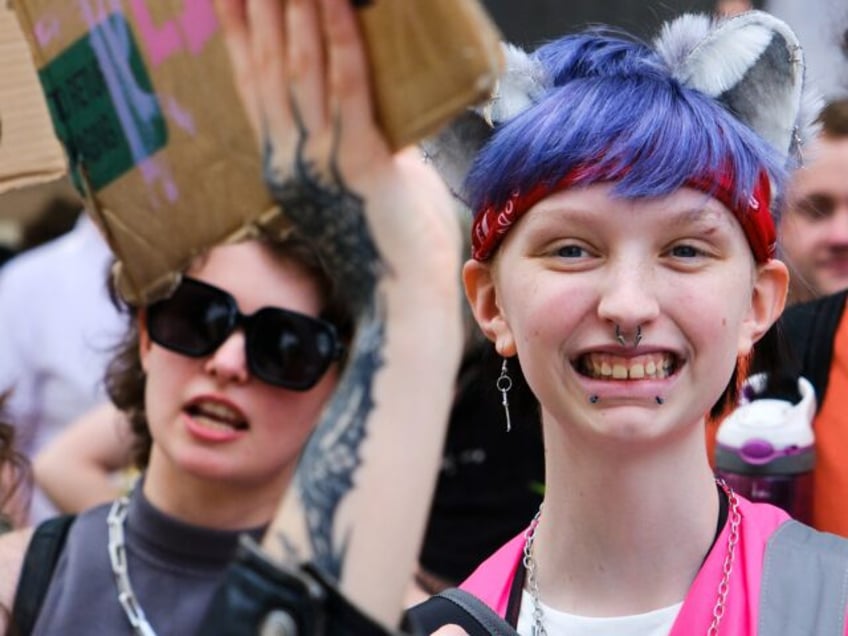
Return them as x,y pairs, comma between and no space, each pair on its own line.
57,329
813,230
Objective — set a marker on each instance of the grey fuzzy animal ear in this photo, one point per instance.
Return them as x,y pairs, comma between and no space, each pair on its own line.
452,150
752,63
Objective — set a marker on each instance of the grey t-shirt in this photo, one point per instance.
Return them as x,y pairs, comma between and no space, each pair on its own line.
174,569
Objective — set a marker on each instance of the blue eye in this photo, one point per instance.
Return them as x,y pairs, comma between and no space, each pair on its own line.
685,251
571,251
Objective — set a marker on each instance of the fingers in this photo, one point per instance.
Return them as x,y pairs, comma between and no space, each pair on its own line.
306,74
233,17
348,69
309,52
450,630
267,32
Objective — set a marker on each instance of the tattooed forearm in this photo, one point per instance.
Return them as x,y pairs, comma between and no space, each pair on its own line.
332,455
326,212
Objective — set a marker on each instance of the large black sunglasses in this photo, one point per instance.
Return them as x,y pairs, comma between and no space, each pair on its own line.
283,347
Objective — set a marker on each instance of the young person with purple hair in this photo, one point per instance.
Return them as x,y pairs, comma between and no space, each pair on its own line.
623,262
623,248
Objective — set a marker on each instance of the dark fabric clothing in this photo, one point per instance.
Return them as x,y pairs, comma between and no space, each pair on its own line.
815,335
174,569
491,481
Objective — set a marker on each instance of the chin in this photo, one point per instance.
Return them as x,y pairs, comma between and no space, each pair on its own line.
633,424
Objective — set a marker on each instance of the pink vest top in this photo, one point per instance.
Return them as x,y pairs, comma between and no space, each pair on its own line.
491,581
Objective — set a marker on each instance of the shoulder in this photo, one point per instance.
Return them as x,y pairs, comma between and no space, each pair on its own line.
492,580
764,515
796,319
13,547
797,536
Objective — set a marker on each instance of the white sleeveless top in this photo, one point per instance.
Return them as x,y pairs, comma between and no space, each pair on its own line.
654,623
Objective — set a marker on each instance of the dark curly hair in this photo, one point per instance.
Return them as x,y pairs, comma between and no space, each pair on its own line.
15,474
126,380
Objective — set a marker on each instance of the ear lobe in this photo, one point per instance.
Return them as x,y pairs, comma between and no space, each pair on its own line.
768,299
481,293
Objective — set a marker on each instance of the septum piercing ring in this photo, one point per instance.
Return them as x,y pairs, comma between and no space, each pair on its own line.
623,341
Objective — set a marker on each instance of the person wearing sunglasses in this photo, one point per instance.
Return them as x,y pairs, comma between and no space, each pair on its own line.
222,382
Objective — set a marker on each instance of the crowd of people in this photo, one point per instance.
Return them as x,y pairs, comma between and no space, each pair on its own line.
649,223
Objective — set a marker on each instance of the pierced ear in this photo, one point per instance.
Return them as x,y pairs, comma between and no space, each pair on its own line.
752,63
768,300
482,297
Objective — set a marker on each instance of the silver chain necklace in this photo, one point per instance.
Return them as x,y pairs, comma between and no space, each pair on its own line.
118,559
734,519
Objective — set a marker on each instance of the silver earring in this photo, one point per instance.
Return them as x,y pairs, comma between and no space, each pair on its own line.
637,338
504,384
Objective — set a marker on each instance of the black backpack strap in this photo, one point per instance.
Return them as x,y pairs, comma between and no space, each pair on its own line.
40,560
809,329
460,608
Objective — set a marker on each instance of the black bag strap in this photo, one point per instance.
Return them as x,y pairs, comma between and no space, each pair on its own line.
40,560
809,329
460,608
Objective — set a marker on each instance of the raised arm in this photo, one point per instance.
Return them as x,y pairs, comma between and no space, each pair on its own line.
84,465
385,223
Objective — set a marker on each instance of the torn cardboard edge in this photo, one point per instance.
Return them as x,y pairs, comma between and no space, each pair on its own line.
30,153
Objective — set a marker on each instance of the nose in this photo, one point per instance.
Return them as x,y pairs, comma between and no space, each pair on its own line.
228,363
628,297
837,229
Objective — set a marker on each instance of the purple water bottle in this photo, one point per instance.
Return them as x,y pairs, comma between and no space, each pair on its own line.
765,448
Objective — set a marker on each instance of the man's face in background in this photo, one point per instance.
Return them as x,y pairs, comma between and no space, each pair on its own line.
813,232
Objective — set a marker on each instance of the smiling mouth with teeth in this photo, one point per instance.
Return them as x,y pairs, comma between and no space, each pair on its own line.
605,366
217,415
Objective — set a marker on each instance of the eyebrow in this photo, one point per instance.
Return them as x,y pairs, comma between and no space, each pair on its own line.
707,216
820,203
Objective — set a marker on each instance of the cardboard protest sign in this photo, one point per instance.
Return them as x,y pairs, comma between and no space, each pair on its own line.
142,97
431,59
156,139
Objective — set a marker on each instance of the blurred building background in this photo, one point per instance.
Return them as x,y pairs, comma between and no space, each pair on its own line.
530,22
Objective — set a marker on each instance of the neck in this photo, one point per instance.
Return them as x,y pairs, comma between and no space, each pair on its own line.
624,530
217,504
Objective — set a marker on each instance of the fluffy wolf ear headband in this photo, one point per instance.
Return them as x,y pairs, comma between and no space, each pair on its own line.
742,77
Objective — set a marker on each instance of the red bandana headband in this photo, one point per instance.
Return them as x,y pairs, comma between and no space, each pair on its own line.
491,224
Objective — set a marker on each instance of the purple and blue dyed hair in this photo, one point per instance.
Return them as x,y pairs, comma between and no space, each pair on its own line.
612,103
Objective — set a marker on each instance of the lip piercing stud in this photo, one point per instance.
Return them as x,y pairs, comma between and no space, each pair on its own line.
623,341
659,400
593,399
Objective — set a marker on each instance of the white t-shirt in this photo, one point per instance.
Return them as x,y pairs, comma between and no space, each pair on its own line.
58,329
655,623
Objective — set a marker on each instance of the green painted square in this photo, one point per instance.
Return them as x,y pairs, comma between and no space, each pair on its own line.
108,126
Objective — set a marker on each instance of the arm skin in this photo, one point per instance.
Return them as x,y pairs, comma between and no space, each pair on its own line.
385,224
77,469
